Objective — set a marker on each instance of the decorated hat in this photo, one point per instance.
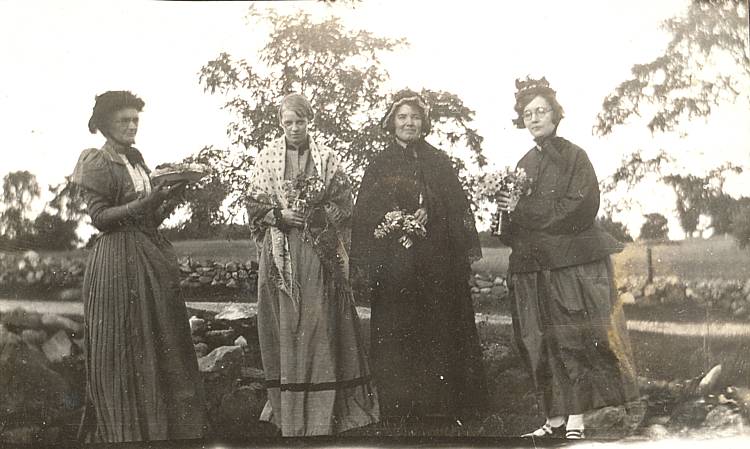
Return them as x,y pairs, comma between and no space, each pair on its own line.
407,96
534,87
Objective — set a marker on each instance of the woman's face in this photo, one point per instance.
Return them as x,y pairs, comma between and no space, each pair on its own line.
124,126
408,123
295,127
537,116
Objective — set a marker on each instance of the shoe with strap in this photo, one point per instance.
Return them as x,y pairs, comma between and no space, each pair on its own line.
546,431
575,434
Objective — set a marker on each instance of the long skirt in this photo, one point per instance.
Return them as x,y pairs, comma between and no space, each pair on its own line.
426,355
570,328
142,374
317,375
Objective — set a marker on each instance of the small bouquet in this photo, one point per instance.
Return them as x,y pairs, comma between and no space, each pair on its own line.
303,192
515,182
399,222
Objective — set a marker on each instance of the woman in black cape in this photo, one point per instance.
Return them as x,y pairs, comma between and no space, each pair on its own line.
426,357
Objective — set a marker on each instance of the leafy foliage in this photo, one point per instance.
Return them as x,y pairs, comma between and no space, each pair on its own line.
341,73
614,228
685,81
655,227
20,189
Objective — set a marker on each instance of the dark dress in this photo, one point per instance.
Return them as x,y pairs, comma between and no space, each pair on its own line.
568,321
141,370
426,357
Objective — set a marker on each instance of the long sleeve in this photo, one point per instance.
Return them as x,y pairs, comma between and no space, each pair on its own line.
569,213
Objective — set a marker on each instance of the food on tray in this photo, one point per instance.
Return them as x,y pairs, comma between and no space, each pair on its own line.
176,172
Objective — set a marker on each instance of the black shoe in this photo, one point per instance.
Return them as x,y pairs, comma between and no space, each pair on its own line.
575,434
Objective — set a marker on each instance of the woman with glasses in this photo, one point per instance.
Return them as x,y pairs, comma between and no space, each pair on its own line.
141,371
567,319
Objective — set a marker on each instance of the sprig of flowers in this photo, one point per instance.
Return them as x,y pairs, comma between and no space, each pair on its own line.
406,226
515,182
309,190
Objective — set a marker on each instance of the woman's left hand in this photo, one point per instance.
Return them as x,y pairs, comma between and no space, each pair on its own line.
421,216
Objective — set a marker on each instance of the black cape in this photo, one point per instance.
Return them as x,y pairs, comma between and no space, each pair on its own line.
426,357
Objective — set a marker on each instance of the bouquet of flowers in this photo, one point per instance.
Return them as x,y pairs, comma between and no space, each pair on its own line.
515,182
403,224
303,192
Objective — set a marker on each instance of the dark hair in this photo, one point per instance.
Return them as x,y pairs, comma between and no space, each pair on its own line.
407,96
528,90
106,104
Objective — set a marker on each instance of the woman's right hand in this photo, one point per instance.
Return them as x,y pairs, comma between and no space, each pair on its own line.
160,192
505,201
292,219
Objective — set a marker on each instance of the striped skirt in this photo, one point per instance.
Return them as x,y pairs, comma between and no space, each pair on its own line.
142,374
317,375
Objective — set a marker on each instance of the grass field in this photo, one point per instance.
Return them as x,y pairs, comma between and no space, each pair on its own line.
694,259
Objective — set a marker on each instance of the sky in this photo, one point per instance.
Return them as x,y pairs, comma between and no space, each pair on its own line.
56,56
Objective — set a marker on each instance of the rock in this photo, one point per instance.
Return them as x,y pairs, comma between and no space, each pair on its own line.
499,281
70,294
240,341
649,290
231,267
606,420
656,432
201,349
205,280
709,381
627,298
58,347
232,283
241,408
32,257
224,358
499,291
237,311
57,322
485,290
21,318
34,336
197,325
253,374
474,289
481,283
221,337
29,387
724,417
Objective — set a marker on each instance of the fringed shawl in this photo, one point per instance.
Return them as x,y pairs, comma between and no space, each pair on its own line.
330,239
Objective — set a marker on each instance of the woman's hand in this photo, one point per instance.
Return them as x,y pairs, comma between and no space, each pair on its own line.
421,216
506,202
162,191
292,219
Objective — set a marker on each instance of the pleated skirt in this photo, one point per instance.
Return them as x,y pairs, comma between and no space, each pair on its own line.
142,374
317,373
571,330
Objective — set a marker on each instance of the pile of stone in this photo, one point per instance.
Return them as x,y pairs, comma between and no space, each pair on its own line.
228,351
207,273
41,376
60,278
731,297
31,271
487,289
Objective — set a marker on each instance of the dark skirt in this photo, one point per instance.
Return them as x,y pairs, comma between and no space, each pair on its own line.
426,357
142,374
570,328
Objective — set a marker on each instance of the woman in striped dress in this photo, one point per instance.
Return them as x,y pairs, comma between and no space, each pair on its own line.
141,370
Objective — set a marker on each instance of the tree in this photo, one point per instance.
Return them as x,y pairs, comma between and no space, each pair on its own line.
52,232
340,71
684,82
655,227
20,189
740,222
614,228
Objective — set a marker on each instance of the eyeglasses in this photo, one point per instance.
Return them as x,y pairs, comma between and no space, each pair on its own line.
540,111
